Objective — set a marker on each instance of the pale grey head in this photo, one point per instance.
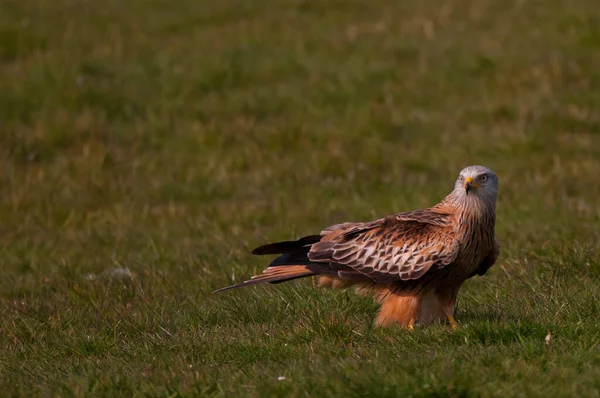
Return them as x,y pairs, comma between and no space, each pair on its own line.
476,183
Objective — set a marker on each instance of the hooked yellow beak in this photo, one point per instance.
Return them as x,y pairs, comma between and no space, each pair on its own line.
469,184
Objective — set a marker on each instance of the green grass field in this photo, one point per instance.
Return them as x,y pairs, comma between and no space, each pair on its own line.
172,137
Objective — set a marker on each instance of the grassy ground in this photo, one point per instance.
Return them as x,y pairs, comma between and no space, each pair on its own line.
170,137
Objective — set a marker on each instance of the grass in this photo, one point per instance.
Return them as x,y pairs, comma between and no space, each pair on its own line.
170,138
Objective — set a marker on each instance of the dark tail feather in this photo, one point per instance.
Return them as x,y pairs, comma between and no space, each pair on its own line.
291,259
293,246
293,263
274,275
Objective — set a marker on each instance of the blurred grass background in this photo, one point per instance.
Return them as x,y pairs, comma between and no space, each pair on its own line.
171,137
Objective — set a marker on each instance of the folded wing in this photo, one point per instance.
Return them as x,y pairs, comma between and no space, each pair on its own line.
400,249
394,249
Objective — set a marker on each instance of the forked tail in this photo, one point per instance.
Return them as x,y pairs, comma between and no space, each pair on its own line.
274,275
293,262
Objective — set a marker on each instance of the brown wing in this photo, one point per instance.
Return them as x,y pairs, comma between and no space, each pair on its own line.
397,248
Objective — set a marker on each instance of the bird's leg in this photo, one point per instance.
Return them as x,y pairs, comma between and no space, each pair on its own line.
411,325
453,323
447,300
450,316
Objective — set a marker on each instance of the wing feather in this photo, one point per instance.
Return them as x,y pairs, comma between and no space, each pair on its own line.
402,247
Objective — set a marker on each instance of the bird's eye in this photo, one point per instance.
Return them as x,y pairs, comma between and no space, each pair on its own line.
483,178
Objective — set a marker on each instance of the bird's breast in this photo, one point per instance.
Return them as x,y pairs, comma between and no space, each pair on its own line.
476,243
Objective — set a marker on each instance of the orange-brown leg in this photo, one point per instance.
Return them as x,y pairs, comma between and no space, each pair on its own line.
447,299
453,323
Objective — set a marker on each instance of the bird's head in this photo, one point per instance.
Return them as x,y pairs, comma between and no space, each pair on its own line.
476,182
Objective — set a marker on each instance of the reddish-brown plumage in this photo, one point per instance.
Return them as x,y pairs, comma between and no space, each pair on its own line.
413,263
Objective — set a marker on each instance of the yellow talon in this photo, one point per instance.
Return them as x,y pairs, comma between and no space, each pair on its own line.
452,322
411,326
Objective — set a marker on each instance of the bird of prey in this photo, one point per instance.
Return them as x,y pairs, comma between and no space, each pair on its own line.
413,263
